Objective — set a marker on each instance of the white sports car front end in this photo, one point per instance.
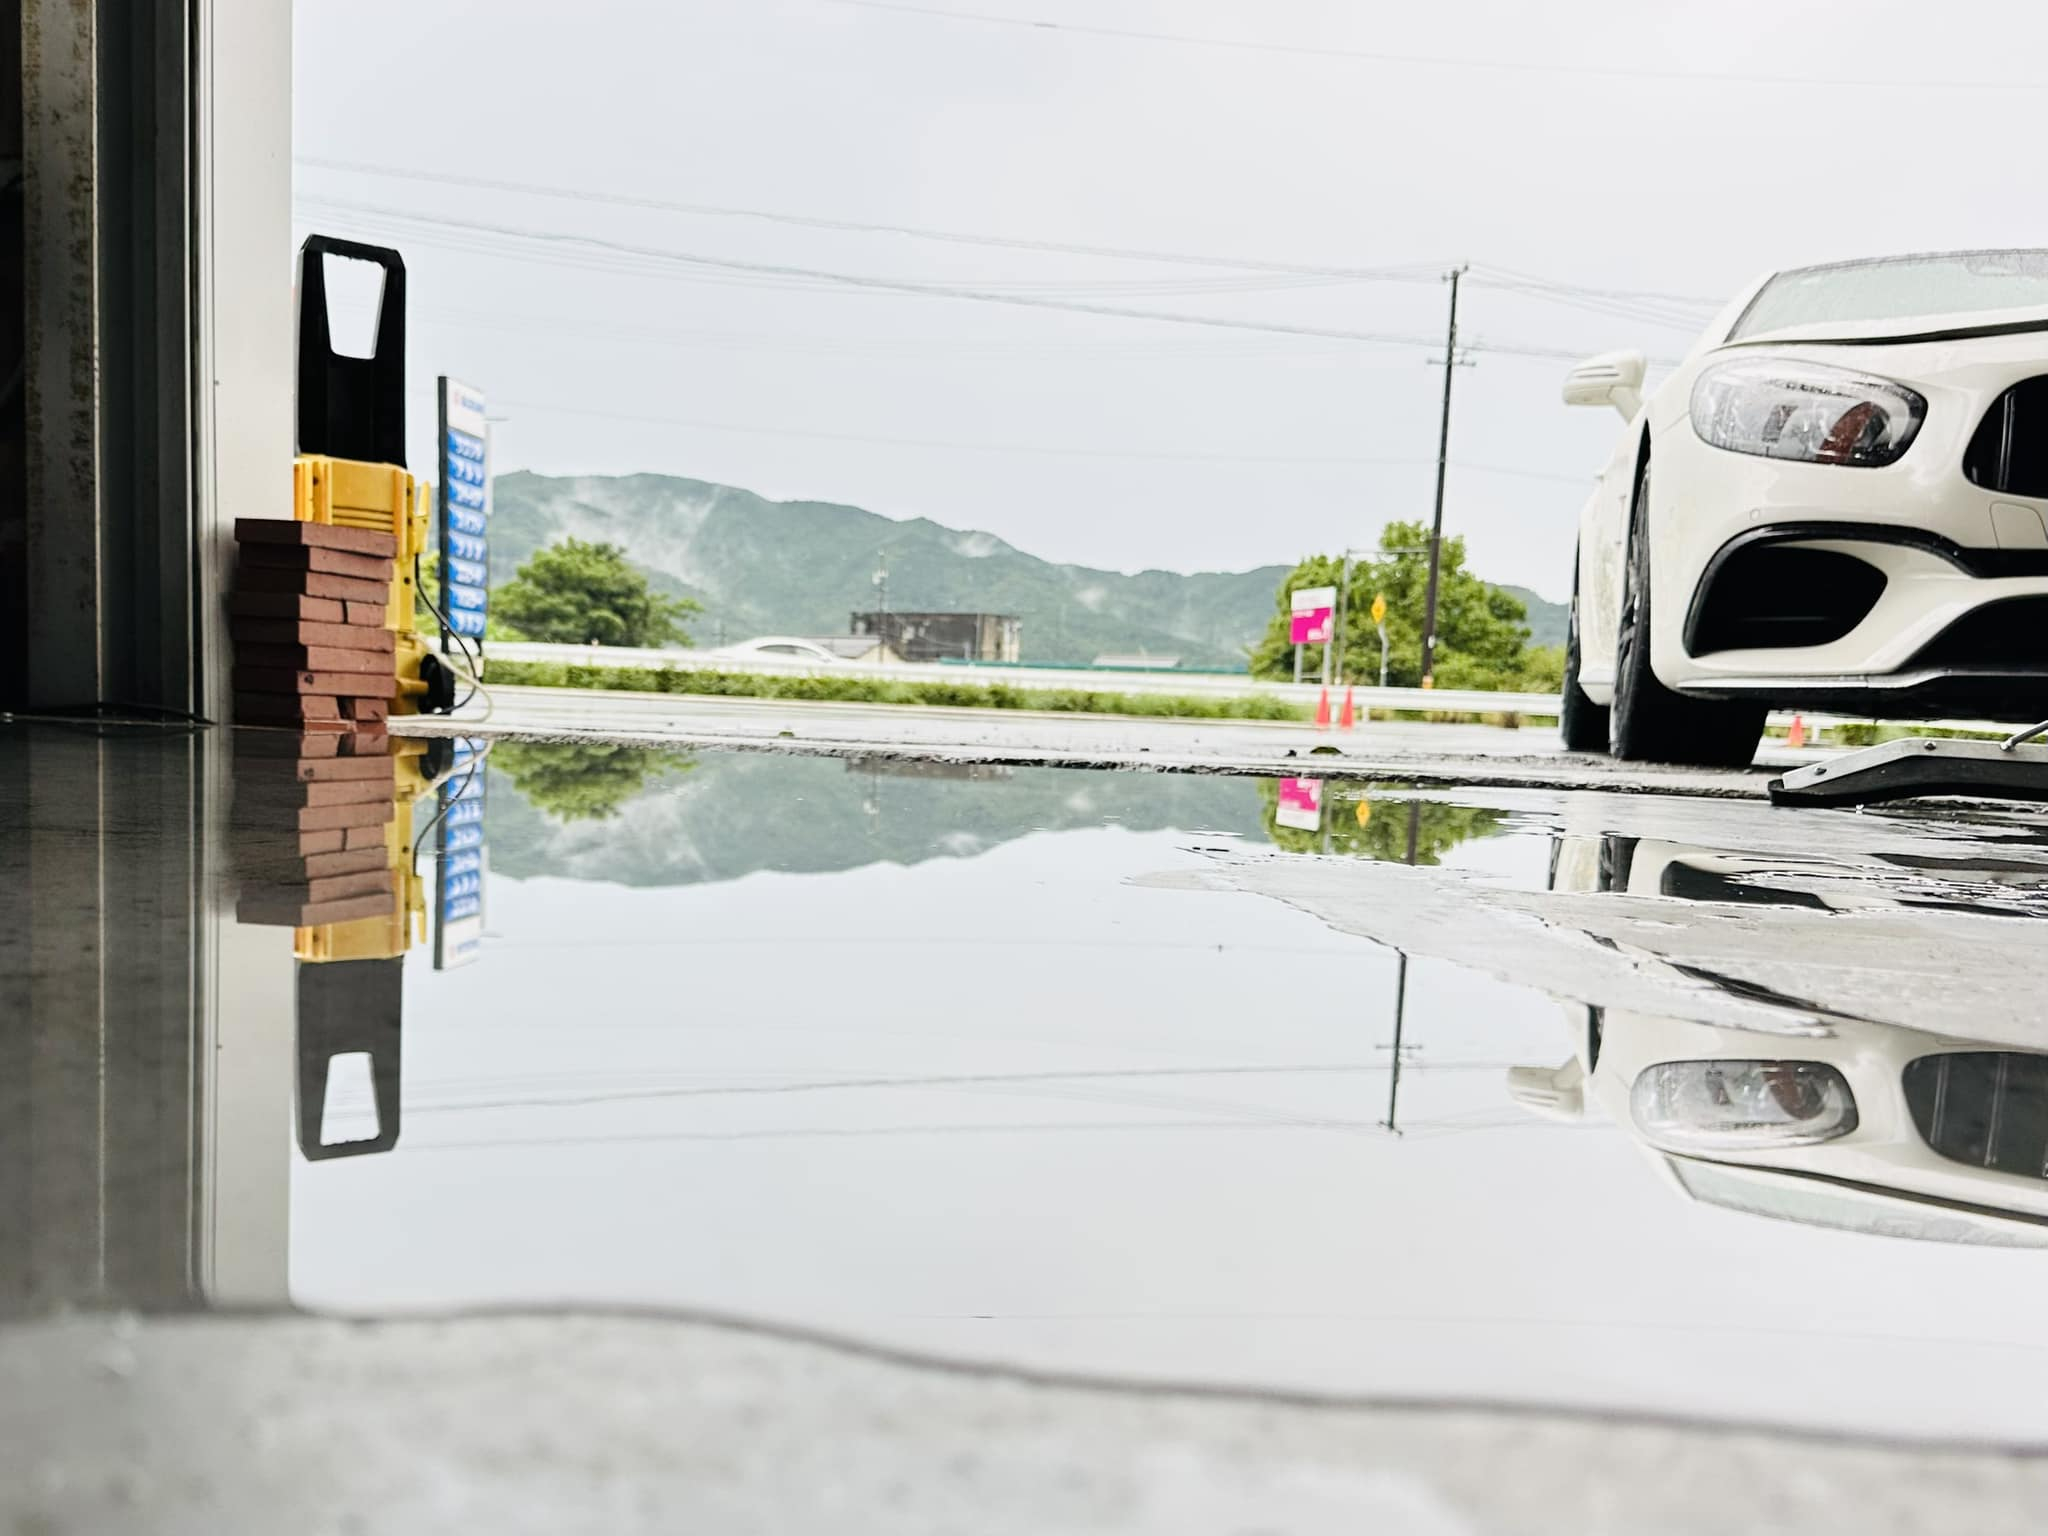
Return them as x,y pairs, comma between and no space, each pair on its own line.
1839,500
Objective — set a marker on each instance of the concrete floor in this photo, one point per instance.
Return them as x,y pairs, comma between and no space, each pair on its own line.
625,1424
1421,752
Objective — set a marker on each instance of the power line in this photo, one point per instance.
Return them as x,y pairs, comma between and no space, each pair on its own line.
640,257
1435,61
545,408
1411,272
1402,272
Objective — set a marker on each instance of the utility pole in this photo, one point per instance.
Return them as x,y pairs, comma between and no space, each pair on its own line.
882,597
1436,531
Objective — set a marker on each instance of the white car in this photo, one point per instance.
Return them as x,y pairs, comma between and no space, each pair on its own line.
1840,1123
779,648
1839,500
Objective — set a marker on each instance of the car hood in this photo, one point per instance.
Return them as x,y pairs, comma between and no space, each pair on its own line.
1957,326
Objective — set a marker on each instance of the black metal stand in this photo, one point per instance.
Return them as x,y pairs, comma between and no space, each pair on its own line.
1919,765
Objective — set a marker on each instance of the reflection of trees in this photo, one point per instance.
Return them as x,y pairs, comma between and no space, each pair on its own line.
1437,828
582,780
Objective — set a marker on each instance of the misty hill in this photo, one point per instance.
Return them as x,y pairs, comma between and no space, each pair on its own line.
1547,620
800,567
699,820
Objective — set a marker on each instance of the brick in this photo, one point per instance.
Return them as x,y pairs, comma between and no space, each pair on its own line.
282,847
256,798
356,685
366,709
261,578
329,562
280,774
325,818
303,892
363,837
372,614
288,913
367,739
285,708
347,861
287,605
342,637
265,743
315,658
292,532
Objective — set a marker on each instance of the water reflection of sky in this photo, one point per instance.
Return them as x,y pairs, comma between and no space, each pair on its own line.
1002,1091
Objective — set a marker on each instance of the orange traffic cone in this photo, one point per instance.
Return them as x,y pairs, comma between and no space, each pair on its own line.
1797,736
1323,712
1347,718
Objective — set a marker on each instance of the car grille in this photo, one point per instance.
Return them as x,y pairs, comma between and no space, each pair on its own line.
1985,1108
2006,636
2009,451
1772,594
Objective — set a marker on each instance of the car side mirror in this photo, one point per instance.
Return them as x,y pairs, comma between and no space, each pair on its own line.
1550,1093
1612,378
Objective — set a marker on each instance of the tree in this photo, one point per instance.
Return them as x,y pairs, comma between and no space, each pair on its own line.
1481,637
1384,833
575,593
581,780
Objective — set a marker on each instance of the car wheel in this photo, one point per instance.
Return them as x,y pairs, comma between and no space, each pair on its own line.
1583,723
1649,722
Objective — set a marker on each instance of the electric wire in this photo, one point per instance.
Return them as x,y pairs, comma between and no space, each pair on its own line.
1436,61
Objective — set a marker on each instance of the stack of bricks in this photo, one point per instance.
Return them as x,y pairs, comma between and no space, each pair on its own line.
314,800
312,828
308,613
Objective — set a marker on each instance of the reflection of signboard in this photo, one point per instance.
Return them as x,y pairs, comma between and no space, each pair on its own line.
459,863
1300,805
1312,609
465,509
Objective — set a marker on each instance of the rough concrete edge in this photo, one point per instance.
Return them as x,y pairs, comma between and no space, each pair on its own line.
1326,765
1503,1411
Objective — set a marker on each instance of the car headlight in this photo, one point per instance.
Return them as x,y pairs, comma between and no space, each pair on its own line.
1781,408
1735,1106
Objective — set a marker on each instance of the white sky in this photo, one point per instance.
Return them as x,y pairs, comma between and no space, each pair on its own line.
1181,447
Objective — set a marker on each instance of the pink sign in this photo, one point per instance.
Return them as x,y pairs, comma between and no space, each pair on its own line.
1311,609
1300,805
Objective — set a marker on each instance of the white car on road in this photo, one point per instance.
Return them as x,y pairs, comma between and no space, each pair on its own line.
1839,500
780,648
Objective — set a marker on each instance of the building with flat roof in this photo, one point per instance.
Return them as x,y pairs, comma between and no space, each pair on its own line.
946,636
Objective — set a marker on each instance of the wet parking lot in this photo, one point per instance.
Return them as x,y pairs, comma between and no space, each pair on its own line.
1324,1088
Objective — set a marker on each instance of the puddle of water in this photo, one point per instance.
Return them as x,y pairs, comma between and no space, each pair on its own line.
987,1062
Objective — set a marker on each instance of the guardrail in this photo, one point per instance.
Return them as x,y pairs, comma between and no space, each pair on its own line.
1199,685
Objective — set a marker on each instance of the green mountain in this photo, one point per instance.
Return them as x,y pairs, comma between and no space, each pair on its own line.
1547,620
689,819
763,567
801,567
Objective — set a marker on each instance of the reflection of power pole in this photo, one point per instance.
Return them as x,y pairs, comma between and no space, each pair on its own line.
1436,530
1392,1122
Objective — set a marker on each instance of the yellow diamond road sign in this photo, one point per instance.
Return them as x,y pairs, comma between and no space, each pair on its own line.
1379,608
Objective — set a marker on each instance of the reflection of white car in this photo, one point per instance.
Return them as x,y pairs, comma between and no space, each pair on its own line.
1839,500
779,648
1862,1126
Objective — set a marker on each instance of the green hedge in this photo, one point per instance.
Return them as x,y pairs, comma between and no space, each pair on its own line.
877,690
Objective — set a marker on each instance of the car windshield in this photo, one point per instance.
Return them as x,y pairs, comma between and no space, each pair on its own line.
1897,288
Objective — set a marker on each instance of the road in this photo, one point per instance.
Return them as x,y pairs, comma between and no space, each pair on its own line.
1423,753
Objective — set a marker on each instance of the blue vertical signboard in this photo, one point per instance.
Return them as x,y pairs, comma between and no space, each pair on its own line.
459,865
465,518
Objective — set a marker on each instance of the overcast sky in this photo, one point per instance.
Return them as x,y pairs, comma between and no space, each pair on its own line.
1678,149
